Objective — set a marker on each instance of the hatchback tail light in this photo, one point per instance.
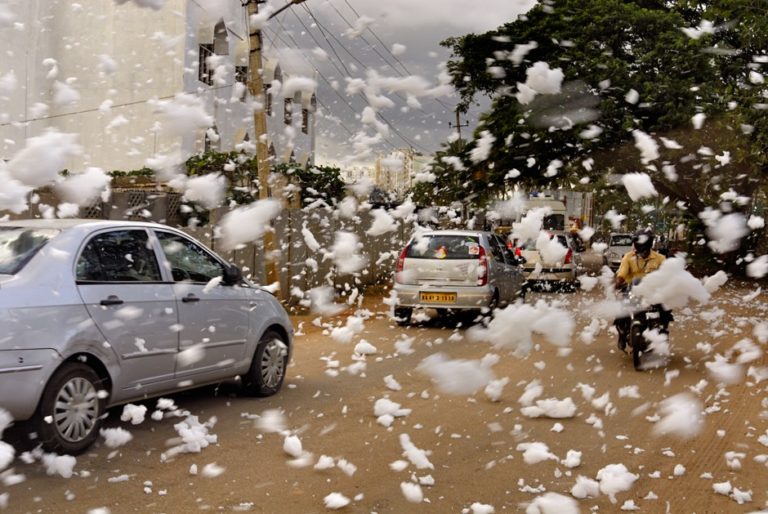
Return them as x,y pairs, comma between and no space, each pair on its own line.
482,278
400,264
568,256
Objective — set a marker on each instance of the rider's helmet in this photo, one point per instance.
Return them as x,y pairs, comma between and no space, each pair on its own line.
643,241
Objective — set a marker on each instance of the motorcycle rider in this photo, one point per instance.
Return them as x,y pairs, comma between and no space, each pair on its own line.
635,264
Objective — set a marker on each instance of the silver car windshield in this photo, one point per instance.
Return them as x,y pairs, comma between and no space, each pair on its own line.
19,244
445,247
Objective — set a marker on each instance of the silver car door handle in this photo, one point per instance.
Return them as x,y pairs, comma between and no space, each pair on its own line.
190,298
111,300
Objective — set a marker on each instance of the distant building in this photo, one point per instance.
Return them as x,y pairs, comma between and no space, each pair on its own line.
99,69
394,172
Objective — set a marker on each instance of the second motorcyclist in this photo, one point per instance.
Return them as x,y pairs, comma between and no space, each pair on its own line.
635,264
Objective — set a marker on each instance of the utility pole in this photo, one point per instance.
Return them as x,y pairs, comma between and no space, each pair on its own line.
458,123
256,89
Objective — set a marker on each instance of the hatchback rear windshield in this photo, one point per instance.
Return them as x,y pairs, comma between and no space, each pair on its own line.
531,243
444,247
621,241
19,244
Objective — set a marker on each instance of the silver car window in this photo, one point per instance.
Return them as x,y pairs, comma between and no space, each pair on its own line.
188,260
118,256
19,244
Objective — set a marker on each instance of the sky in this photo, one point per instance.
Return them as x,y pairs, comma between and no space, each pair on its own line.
398,38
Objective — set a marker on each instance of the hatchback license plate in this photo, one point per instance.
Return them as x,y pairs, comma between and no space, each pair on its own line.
438,297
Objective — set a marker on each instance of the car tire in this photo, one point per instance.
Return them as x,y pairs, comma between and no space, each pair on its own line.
268,367
69,415
403,315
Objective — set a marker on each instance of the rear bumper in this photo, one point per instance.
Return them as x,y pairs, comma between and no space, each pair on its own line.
466,297
551,275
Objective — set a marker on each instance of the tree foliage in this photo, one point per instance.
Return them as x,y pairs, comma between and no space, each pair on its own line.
627,65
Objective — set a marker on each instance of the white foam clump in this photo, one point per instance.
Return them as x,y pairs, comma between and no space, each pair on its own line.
585,487
133,413
212,470
7,451
615,478
535,452
249,223
551,408
552,503
322,302
383,223
309,238
292,446
335,501
85,187
572,459
715,282
540,79
638,186
208,190
365,348
550,249
482,148
681,416
495,388
457,376
386,411
115,437
671,285
529,226
271,421
588,283
61,465
42,158
649,148
725,372
725,232
183,113
758,268
412,492
513,327
354,325
194,437
416,456
345,253
392,383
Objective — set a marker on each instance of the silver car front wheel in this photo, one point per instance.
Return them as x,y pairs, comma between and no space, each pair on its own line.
267,372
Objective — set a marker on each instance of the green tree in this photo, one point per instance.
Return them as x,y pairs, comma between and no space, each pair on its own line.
605,49
314,182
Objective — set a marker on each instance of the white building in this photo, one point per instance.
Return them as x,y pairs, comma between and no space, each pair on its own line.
394,172
103,71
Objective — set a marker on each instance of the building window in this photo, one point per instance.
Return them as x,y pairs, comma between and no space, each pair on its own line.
305,120
241,74
204,73
288,115
268,100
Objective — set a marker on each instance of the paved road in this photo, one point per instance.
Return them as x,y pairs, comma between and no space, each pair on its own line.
472,443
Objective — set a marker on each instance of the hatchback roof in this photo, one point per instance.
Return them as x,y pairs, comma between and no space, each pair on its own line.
455,232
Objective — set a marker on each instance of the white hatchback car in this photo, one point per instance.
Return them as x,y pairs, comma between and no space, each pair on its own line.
99,313
562,272
456,270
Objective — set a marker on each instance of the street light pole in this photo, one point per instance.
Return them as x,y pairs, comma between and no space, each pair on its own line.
256,89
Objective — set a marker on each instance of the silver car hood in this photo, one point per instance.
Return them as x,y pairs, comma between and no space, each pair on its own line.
5,278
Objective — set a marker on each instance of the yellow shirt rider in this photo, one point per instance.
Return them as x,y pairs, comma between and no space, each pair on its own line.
635,264
639,261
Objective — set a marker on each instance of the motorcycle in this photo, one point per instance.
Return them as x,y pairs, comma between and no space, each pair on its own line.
640,324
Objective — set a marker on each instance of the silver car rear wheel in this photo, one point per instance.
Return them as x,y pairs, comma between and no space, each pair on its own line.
69,415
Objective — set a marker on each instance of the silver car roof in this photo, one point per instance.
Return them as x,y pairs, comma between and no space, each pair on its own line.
63,224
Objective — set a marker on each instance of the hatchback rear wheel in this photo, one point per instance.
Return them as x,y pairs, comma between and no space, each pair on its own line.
69,415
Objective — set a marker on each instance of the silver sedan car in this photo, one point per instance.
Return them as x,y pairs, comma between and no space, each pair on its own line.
456,270
99,313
